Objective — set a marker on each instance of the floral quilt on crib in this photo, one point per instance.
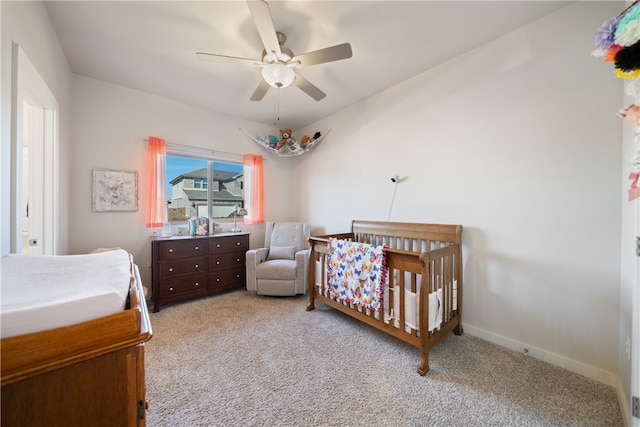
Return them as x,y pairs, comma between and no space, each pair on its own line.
356,273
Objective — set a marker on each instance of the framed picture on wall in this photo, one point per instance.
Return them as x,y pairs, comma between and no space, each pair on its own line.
115,190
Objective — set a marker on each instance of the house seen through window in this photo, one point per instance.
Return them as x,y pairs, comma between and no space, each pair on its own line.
203,188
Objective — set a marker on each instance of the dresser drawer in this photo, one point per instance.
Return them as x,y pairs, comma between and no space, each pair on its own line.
229,243
227,279
230,260
182,248
192,284
168,269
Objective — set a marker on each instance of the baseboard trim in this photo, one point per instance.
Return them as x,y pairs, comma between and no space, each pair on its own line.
624,402
588,371
592,372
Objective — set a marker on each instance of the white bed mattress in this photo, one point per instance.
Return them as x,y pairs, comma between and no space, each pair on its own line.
40,292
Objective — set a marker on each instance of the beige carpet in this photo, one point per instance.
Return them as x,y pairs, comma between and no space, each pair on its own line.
242,360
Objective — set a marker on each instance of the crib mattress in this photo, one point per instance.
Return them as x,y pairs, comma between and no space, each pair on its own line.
40,292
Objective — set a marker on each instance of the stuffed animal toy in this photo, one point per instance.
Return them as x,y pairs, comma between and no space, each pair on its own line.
202,230
285,136
293,145
305,140
273,141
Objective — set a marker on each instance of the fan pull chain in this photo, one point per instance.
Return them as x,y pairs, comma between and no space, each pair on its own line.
276,109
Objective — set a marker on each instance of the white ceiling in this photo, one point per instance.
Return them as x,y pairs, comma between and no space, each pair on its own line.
150,46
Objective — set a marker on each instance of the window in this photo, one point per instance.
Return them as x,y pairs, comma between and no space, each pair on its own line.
203,187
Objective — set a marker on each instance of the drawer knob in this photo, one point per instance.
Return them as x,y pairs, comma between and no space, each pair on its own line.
218,245
197,284
197,248
196,266
238,244
238,276
170,250
171,269
238,259
218,279
217,262
170,289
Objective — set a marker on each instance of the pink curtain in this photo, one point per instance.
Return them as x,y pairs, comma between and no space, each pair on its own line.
156,181
254,188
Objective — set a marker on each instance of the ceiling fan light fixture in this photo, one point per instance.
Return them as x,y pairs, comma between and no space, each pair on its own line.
278,75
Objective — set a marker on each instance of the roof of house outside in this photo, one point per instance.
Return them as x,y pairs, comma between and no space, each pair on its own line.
196,194
200,194
223,176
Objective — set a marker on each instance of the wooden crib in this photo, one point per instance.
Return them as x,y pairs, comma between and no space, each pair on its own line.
419,257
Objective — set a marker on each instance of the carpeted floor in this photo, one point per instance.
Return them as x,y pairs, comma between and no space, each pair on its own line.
238,359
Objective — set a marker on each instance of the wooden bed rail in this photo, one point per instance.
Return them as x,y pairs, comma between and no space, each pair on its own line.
424,264
409,230
32,354
82,374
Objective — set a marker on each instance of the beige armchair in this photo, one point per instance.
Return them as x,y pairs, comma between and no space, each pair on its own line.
280,268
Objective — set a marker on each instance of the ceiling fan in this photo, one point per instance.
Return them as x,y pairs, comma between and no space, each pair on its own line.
278,62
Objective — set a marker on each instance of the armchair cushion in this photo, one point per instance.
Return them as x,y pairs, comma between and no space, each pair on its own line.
282,252
277,269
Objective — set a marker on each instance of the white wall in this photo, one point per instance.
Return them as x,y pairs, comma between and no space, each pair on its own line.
110,125
517,141
27,24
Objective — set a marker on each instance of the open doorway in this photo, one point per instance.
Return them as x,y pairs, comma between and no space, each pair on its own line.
34,164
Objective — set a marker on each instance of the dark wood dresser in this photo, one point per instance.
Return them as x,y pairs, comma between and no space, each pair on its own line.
186,267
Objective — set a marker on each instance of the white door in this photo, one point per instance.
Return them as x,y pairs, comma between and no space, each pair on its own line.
34,167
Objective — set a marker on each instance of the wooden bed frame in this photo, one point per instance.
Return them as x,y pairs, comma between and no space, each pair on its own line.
91,373
432,251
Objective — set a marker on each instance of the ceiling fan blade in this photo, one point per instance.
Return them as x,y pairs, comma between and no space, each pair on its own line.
329,54
260,91
309,88
264,23
228,59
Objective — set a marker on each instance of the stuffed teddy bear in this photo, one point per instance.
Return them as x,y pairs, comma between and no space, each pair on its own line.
285,136
288,141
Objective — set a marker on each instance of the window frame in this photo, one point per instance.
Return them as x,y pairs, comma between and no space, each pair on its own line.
211,156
